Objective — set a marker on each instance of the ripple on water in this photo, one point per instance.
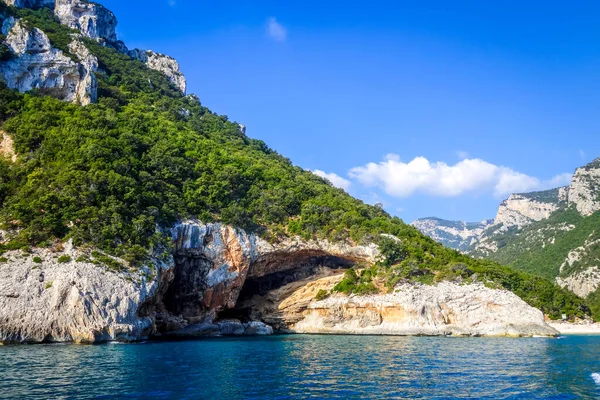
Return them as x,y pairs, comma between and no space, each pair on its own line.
282,367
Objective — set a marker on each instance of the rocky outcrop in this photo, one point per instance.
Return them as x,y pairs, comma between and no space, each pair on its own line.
62,300
168,66
582,283
91,19
457,235
522,209
584,192
414,309
7,148
38,65
196,291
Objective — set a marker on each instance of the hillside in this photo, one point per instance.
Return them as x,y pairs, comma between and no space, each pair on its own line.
552,234
108,163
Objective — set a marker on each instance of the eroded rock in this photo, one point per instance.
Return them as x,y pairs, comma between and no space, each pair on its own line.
168,66
38,65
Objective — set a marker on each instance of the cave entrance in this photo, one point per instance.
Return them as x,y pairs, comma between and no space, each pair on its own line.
259,294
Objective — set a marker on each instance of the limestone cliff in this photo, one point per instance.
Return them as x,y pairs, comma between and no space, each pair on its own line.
44,298
39,65
584,191
91,19
411,309
522,209
86,299
168,66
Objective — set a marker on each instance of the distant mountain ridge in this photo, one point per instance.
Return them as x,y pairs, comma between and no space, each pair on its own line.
553,233
458,235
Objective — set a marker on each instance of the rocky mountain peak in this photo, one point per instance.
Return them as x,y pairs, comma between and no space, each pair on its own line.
68,74
584,191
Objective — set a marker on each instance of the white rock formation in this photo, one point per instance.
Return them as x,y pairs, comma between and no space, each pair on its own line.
584,190
168,66
519,210
91,19
7,150
87,88
445,309
38,65
582,283
70,301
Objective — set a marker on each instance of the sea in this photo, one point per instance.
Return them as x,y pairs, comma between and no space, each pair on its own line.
307,366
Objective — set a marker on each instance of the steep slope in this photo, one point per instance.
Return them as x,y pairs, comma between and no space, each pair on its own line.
457,235
119,186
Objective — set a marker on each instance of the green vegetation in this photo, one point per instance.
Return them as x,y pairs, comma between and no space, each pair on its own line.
64,259
49,284
542,247
355,284
109,174
322,295
3,260
37,260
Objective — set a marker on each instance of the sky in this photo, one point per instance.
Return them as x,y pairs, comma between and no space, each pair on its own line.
431,108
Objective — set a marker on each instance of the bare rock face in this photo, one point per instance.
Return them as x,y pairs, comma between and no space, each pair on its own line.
87,88
212,261
519,210
7,150
38,65
584,188
582,283
80,302
168,66
91,19
414,309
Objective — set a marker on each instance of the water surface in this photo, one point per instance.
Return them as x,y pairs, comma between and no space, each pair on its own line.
302,366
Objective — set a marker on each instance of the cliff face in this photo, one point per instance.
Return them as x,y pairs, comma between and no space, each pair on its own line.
79,301
411,309
584,191
166,65
522,209
85,300
91,19
37,64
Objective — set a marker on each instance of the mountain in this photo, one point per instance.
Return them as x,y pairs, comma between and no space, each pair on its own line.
554,234
457,235
129,210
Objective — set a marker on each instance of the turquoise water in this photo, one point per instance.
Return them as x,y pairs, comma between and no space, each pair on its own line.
301,366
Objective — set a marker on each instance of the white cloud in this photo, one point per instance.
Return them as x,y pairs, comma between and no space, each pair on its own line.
335,179
401,179
275,30
462,154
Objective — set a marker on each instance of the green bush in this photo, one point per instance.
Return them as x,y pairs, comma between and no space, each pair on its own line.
49,285
64,259
37,260
321,295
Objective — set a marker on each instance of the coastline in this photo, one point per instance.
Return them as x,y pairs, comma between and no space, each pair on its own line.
569,328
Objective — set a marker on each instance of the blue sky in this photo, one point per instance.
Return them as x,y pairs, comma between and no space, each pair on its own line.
432,108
